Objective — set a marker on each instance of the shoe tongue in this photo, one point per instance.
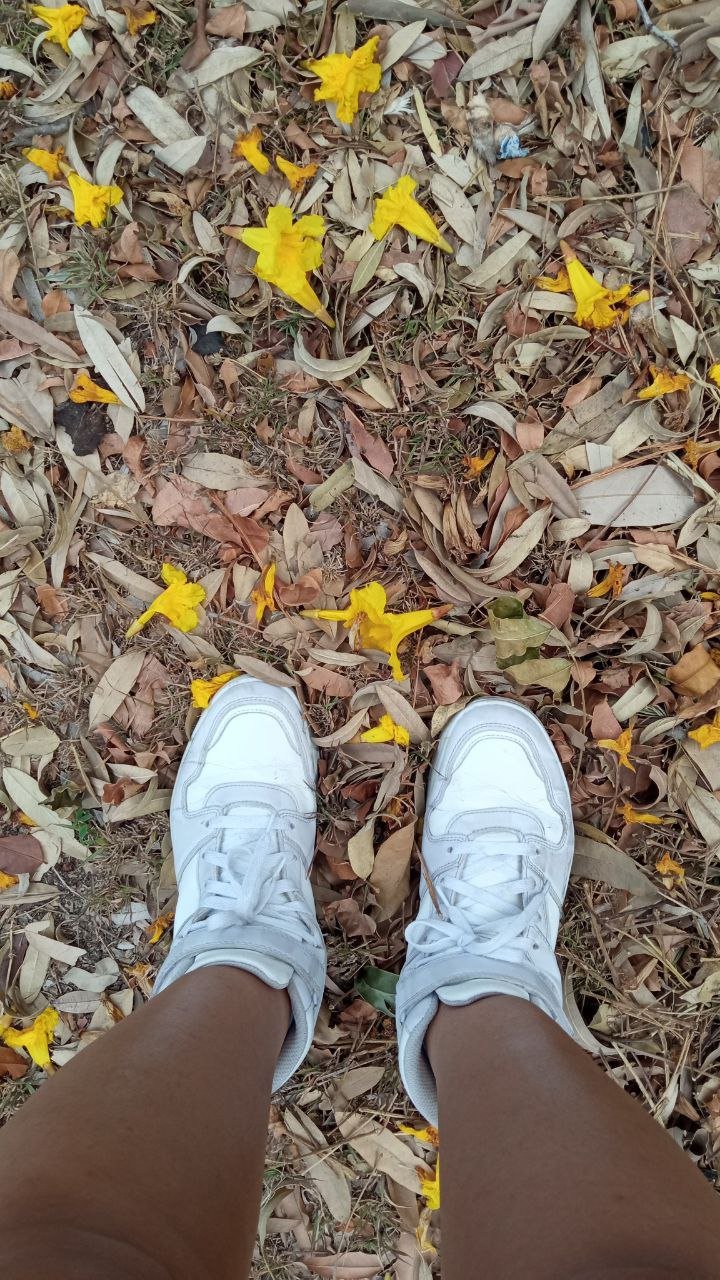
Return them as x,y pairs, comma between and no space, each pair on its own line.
496,826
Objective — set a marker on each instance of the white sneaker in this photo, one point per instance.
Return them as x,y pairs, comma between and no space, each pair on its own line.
243,830
497,848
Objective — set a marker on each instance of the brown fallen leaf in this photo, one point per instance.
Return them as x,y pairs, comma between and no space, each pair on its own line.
52,602
390,876
695,673
11,1064
20,855
685,224
324,680
603,723
230,21
199,47
370,446
701,169
445,682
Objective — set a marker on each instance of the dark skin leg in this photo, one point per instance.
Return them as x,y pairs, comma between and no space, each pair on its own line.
549,1171
143,1159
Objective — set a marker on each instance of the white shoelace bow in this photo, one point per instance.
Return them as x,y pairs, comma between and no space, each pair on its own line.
480,911
256,881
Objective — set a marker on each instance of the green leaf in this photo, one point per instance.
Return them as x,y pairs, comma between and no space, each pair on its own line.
377,986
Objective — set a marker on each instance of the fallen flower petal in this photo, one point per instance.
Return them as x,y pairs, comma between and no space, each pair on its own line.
667,866
85,391
178,602
430,1187
248,146
597,307
397,207
693,452
634,817
203,691
15,440
287,251
91,201
345,76
158,927
262,597
48,161
296,174
621,746
377,629
664,383
61,22
613,582
554,284
427,1134
137,20
386,730
708,734
36,1038
476,465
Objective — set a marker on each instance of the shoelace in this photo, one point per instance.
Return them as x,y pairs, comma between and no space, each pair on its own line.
255,881
480,912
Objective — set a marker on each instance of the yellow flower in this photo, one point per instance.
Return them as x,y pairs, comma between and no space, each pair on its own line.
262,596
15,440
427,1134
90,201
621,746
35,1038
667,866
85,391
397,207
61,22
387,731
664,383
430,1186
7,90
377,629
248,146
345,76
476,465
203,690
634,817
708,734
48,161
178,602
296,174
555,284
6,881
714,373
31,712
597,307
612,582
159,926
136,21
286,252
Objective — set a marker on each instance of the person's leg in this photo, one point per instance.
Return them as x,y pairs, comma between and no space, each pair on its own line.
143,1159
549,1170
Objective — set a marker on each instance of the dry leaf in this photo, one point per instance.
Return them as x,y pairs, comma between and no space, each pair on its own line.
390,875
695,673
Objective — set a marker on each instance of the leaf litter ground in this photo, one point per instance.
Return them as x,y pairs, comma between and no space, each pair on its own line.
517,440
